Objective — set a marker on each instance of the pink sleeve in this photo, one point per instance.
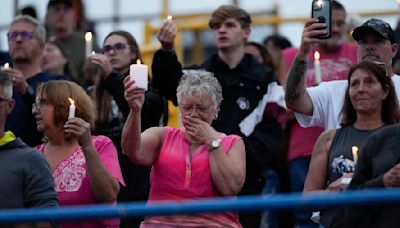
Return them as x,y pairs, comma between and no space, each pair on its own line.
109,156
229,141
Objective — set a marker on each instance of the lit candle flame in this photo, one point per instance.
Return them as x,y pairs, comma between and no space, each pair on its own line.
354,151
169,17
72,108
6,65
138,61
93,52
71,101
88,36
317,55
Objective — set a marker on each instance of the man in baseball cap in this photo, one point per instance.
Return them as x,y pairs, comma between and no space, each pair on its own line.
378,26
376,42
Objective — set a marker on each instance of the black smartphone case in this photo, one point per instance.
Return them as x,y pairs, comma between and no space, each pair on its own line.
322,10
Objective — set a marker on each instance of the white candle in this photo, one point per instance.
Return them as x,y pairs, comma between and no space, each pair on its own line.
169,17
6,66
89,44
317,68
93,52
354,151
138,72
72,108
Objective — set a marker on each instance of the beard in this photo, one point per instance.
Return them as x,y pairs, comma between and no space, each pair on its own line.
334,43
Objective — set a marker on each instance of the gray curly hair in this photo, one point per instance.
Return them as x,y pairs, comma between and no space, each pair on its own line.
199,83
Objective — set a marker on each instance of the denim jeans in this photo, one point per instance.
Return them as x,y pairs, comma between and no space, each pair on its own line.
298,169
269,219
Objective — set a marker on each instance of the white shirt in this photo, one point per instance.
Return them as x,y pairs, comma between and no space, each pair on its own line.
327,99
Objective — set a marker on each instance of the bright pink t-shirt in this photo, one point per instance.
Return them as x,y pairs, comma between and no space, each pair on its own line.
177,177
72,182
334,66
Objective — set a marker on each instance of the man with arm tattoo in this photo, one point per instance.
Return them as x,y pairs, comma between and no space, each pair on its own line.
336,57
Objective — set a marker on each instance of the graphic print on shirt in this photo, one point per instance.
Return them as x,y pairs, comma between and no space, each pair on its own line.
69,174
341,165
331,69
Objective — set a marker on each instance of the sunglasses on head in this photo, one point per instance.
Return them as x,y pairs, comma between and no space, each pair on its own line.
382,65
117,48
12,36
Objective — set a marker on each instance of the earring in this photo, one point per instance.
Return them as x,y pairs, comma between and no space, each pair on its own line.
216,116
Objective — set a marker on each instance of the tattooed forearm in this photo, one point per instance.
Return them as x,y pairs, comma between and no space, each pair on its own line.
295,80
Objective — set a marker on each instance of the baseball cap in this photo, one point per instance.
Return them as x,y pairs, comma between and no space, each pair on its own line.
67,3
376,25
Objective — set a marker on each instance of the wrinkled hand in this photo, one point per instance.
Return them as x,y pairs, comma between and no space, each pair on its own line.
103,62
312,28
166,34
17,78
133,95
392,177
199,130
81,129
335,186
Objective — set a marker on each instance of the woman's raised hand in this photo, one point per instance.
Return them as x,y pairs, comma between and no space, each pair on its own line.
133,95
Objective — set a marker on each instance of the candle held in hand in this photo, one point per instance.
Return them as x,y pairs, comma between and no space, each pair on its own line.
6,66
317,68
89,44
169,17
138,72
354,151
72,108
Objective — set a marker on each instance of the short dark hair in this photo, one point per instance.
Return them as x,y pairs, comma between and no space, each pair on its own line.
278,40
266,57
229,11
390,112
67,3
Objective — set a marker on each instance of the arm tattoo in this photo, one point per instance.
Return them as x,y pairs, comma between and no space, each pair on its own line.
295,76
323,143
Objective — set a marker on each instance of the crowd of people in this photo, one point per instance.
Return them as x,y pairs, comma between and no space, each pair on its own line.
257,118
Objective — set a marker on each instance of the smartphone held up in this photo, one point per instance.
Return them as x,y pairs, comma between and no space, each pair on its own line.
322,10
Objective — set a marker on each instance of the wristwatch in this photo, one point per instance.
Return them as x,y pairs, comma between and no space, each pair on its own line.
215,144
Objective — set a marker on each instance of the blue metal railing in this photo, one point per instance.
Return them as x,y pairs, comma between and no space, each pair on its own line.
272,202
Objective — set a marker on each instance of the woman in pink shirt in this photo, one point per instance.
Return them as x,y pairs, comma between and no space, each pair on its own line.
85,167
193,162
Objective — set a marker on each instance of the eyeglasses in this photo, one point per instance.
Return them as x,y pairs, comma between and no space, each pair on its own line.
200,108
13,36
39,104
118,48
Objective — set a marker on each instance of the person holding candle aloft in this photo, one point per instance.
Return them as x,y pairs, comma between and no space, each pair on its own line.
120,53
328,60
253,106
190,163
85,167
370,103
